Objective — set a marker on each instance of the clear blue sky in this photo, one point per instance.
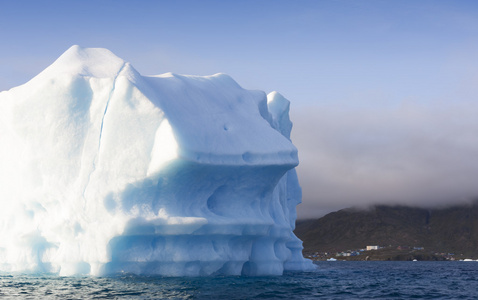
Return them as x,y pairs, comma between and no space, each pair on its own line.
347,58
308,50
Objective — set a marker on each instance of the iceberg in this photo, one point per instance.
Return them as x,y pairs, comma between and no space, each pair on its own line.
106,171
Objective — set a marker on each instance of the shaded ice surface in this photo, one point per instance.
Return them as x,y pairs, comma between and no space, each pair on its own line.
104,171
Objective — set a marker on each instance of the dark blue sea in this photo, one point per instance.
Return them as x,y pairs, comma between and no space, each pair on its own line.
332,280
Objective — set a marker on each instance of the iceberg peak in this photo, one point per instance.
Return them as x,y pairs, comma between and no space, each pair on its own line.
279,109
90,62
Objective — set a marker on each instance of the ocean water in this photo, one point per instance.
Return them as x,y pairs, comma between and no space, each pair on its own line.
332,280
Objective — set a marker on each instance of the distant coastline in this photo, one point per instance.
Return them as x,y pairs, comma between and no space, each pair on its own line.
388,253
401,233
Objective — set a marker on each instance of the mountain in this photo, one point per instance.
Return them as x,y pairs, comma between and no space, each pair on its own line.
452,229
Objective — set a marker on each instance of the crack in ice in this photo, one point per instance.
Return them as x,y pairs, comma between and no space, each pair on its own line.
110,95
107,104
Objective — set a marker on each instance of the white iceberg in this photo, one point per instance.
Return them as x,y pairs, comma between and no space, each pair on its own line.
331,259
103,170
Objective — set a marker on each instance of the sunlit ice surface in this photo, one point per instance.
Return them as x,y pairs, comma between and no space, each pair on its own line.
106,171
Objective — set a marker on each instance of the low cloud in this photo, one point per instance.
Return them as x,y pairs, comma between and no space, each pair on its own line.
413,154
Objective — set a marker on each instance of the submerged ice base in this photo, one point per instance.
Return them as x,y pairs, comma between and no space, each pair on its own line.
106,171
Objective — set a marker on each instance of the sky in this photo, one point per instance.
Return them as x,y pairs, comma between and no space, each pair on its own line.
384,94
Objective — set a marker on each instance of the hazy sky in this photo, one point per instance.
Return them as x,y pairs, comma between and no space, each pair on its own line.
384,94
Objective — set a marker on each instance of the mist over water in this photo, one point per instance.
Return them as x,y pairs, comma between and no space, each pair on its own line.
411,153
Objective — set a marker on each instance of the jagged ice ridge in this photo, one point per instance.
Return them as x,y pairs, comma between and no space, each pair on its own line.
103,171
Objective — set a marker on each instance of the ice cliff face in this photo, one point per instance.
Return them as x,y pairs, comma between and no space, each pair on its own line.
103,170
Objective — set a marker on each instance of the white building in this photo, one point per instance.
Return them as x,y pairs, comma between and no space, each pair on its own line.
372,248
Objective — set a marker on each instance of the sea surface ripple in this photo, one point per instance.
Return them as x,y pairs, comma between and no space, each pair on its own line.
332,280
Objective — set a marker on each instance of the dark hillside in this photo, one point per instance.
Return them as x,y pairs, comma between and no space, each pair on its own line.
453,229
